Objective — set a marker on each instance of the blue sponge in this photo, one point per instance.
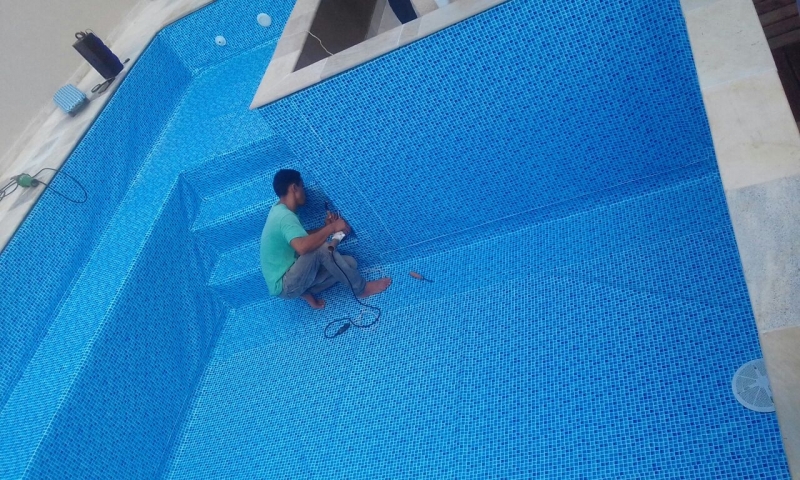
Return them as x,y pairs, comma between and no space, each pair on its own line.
70,99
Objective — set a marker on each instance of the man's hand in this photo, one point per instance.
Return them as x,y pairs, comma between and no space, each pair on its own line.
314,240
339,225
334,221
331,217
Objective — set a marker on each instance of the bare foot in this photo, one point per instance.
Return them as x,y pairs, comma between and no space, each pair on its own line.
313,302
375,287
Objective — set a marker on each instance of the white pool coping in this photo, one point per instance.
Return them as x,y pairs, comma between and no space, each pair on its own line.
280,80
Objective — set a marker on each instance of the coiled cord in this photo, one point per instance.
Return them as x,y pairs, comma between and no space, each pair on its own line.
347,322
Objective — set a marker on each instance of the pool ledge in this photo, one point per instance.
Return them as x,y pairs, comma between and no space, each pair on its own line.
758,152
52,136
280,80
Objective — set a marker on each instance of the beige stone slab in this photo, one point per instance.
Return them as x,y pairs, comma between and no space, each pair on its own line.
758,153
755,137
277,71
277,81
301,7
781,350
766,221
409,32
377,15
280,67
452,14
388,21
300,79
688,5
361,53
290,44
424,7
298,24
175,10
727,41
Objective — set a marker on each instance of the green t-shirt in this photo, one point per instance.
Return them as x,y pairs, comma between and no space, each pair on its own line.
277,256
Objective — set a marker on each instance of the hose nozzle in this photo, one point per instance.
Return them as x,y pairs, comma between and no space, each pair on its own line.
335,239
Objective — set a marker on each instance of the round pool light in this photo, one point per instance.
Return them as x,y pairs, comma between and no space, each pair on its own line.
264,20
220,40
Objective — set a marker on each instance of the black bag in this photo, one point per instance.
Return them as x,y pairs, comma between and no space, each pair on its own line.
97,54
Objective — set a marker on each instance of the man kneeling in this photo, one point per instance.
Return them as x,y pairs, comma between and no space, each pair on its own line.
296,263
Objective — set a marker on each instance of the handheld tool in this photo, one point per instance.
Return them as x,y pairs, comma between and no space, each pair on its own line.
337,237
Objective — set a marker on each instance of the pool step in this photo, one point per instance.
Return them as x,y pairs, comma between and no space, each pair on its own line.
580,243
230,169
606,244
235,215
234,191
237,275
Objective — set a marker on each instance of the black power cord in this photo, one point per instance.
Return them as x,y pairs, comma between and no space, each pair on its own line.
347,322
24,180
8,188
102,87
85,195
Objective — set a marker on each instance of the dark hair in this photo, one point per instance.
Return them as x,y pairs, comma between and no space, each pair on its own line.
284,179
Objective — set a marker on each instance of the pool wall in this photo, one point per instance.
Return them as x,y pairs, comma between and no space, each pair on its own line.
48,252
452,133
143,351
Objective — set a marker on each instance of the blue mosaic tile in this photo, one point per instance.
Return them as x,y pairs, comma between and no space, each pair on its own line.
557,184
446,133
57,237
193,37
141,369
135,146
254,159
275,446
688,273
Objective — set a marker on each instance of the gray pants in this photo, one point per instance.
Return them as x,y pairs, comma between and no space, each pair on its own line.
316,271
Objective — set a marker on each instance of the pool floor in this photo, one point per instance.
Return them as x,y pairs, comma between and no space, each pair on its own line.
530,374
572,347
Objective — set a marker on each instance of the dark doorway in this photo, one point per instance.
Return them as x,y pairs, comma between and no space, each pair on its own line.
781,25
337,26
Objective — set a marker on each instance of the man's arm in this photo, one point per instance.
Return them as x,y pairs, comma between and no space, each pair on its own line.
313,241
329,218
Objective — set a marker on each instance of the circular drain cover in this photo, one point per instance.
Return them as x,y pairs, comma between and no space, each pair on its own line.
751,386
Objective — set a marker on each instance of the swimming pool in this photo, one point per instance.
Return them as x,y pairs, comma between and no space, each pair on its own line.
549,167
